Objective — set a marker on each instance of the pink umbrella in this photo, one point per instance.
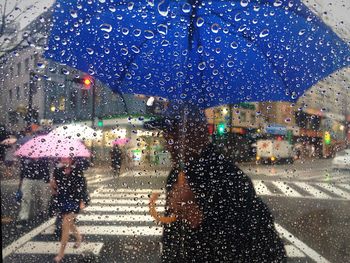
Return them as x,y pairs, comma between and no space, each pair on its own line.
53,146
120,141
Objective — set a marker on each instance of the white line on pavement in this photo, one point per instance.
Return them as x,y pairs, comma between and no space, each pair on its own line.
261,188
115,218
312,190
24,239
110,208
36,247
300,245
287,189
293,252
124,195
130,202
115,230
332,188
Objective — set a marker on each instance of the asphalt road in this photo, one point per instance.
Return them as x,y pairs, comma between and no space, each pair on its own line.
310,203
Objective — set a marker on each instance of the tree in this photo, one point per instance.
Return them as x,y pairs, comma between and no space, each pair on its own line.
12,36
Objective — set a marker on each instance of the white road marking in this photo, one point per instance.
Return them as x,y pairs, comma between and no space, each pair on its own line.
286,189
36,247
115,218
261,188
24,239
293,252
300,245
115,230
129,202
123,195
332,188
128,190
312,190
110,208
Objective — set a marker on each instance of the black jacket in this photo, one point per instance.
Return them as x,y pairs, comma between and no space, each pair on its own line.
35,169
237,225
72,187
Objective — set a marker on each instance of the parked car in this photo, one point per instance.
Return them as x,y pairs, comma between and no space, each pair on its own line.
341,160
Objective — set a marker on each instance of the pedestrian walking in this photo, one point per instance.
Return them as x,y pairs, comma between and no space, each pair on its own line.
69,185
34,179
116,159
212,210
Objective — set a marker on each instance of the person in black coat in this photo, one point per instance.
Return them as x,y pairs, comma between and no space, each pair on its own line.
116,159
70,186
219,217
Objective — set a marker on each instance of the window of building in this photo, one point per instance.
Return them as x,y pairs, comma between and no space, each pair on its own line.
252,118
243,116
62,103
85,97
19,68
73,99
26,64
10,94
11,72
18,93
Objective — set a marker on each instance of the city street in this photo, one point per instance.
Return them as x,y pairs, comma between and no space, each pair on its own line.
310,203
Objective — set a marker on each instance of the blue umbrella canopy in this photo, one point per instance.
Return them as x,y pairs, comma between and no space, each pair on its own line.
210,52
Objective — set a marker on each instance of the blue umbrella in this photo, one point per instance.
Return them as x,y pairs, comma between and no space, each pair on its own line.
210,52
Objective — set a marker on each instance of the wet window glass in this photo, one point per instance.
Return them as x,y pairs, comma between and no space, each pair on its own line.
175,131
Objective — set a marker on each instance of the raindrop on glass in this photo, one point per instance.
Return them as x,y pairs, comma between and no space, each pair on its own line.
264,33
106,28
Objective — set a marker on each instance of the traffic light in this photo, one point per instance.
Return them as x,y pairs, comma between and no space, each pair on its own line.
86,81
327,138
221,128
100,123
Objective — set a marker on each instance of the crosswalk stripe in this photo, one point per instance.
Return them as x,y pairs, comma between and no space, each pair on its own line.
312,190
286,189
261,188
346,186
116,218
115,230
39,247
99,180
334,189
123,195
128,190
112,201
110,208
293,252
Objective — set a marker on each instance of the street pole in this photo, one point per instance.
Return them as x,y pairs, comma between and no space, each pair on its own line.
93,113
30,99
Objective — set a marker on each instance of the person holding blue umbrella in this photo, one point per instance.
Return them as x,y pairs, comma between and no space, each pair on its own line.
213,213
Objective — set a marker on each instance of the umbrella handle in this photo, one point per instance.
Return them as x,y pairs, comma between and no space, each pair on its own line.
155,214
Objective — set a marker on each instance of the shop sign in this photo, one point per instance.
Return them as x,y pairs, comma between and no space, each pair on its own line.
276,129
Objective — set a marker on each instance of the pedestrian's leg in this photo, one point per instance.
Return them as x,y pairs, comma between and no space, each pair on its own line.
44,195
66,225
76,233
26,200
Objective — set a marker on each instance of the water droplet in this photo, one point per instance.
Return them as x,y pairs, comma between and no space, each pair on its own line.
238,17
264,33
162,29
40,65
230,64
90,51
124,51
200,21
234,45
112,9
186,8
215,28
163,9
217,40
200,49
202,66
302,32
287,120
244,3
165,43
125,31
65,71
149,34
137,32
130,6
277,3
106,28
135,49
73,13
242,28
